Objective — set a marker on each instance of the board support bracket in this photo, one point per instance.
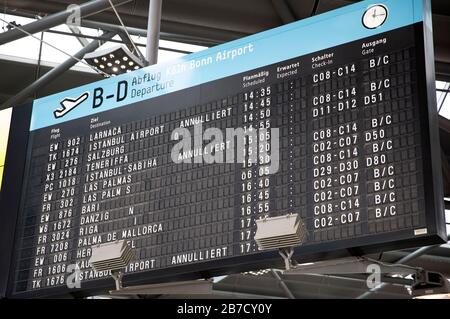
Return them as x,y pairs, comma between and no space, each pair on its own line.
286,253
117,276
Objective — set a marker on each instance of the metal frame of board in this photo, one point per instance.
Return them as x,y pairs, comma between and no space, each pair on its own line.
15,168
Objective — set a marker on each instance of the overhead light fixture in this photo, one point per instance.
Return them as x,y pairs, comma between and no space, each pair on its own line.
112,257
114,61
280,232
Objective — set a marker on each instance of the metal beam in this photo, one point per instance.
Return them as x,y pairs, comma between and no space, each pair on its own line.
241,295
446,204
112,27
133,47
314,10
76,31
124,39
206,40
153,29
93,37
282,284
203,41
192,287
56,19
415,254
54,73
283,11
177,31
347,266
445,173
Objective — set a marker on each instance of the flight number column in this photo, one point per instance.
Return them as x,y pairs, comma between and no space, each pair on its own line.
61,188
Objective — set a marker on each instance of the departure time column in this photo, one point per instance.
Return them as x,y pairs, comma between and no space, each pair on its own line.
255,174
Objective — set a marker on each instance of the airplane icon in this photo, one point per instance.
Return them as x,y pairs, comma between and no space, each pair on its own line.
68,104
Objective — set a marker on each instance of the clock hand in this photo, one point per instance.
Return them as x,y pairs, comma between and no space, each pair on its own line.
374,13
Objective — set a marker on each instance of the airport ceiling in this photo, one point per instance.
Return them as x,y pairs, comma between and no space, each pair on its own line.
211,22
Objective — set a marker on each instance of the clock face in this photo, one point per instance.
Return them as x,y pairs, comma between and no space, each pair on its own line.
375,16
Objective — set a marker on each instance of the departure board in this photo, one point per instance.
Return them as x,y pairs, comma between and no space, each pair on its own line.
339,124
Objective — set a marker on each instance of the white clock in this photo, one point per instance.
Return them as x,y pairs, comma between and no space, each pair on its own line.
375,16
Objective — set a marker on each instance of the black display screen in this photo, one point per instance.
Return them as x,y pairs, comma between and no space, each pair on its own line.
356,163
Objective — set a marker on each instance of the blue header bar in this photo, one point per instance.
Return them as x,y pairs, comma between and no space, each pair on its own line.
286,42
